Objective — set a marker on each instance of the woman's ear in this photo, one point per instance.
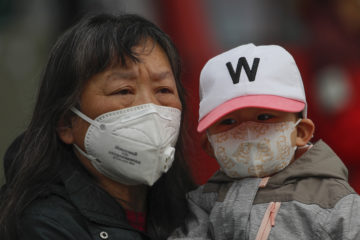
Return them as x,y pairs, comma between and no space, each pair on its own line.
206,145
305,131
65,131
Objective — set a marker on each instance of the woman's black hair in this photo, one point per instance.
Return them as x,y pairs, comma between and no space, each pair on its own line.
89,47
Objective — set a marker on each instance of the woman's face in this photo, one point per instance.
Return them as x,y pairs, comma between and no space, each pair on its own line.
150,80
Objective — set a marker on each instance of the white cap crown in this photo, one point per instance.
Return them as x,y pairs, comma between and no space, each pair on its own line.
250,76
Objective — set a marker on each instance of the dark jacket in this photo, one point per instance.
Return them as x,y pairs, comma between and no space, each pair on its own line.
76,208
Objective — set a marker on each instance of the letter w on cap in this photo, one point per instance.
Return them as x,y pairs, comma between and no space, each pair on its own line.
251,73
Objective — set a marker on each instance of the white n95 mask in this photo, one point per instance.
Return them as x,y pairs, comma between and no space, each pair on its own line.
133,145
254,149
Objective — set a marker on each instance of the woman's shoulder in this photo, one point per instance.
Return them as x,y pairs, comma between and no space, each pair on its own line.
54,204
53,215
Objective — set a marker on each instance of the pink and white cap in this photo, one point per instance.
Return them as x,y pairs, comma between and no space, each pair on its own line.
250,76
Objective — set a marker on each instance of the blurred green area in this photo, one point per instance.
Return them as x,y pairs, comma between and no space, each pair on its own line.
25,39
18,88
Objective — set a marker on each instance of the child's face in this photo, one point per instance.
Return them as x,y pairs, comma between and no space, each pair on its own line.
299,136
260,115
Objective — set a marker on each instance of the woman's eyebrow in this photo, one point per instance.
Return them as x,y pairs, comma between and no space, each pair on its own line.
122,75
161,75
130,75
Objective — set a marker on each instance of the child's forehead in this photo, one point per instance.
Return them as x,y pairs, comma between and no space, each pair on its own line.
256,111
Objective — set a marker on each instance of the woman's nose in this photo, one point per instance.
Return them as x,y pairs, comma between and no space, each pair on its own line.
146,96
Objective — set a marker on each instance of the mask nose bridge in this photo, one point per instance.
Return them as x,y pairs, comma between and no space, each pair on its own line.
146,93
148,98
245,124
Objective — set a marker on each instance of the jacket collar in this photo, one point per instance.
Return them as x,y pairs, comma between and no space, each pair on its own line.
320,161
89,198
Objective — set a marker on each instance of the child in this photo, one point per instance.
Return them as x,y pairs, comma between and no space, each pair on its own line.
272,184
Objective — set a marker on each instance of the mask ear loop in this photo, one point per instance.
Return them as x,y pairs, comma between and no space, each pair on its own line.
298,121
89,120
307,145
84,153
86,118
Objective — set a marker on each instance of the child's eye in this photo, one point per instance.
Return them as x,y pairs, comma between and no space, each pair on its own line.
264,117
228,121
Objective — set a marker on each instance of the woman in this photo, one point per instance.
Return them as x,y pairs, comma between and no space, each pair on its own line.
95,159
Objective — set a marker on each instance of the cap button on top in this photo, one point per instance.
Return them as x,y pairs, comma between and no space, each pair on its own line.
104,235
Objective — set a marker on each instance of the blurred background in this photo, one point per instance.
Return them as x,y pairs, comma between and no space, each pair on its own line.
322,35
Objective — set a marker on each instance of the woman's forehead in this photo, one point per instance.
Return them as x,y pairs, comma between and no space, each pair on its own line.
143,49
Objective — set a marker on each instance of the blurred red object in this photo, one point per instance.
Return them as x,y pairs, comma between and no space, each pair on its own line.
332,82
329,64
186,23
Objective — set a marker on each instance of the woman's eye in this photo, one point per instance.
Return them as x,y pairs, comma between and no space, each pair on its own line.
228,121
122,92
165,90
264,117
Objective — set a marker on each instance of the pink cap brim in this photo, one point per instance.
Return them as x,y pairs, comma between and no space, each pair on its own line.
256,101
